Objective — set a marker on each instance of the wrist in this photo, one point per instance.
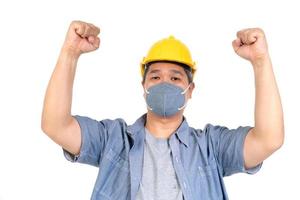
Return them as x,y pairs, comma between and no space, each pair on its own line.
70,52
68,58
261,61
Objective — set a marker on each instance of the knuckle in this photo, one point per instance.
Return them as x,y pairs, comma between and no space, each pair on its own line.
97,29
75,22
84,29
90,24
89,29
259,32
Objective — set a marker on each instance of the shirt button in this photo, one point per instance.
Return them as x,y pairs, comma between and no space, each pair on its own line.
176,158
184,185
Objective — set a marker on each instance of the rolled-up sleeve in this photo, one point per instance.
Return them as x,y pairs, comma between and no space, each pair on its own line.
228,145
94,136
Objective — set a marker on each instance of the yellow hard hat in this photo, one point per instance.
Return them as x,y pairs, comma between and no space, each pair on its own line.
169,49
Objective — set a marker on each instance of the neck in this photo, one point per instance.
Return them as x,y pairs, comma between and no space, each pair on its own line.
162,127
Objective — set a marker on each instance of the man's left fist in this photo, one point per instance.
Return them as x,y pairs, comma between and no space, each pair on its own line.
251,44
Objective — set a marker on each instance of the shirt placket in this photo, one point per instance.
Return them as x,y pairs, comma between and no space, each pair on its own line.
136,163
179,170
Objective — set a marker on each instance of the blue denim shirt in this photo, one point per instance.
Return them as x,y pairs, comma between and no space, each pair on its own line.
201,158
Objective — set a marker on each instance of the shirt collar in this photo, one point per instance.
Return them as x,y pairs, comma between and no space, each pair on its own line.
138,125
182,132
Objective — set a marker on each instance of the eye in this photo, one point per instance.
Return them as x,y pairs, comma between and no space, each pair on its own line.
155,78
175,79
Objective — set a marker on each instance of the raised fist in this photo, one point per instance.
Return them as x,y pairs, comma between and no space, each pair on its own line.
251,44
82,37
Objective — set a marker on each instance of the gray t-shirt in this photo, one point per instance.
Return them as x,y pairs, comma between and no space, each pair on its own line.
159,180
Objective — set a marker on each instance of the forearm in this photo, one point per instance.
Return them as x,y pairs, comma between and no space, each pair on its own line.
269,125
58,98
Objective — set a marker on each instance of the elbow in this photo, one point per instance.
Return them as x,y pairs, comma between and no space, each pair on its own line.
276,145
52,127
49,130
280,139
277,142
44,123
272,140
280,142
45,127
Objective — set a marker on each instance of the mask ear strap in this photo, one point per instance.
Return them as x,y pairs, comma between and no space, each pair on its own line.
149,107
147,92
186,89
184,93
182,106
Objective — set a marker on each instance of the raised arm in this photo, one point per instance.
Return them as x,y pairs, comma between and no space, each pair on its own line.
268,133
57,121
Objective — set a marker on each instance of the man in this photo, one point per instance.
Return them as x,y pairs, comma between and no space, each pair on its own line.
160,156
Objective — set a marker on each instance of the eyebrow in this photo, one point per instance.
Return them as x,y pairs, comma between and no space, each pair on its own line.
172,70
177,72
154,71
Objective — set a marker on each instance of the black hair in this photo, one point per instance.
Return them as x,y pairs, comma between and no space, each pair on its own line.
186,68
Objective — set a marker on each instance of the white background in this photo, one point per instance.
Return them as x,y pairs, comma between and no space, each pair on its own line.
107,83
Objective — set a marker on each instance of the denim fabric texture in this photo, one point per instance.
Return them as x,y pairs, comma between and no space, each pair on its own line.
201,158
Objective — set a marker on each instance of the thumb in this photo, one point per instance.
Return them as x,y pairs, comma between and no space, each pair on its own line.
93,40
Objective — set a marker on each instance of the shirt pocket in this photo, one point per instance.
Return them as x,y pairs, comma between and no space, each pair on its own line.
210,181
117,161
114,177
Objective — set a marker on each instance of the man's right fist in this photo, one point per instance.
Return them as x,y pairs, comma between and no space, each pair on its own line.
82,37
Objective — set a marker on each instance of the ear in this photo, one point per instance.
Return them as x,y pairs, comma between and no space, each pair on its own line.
191,89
